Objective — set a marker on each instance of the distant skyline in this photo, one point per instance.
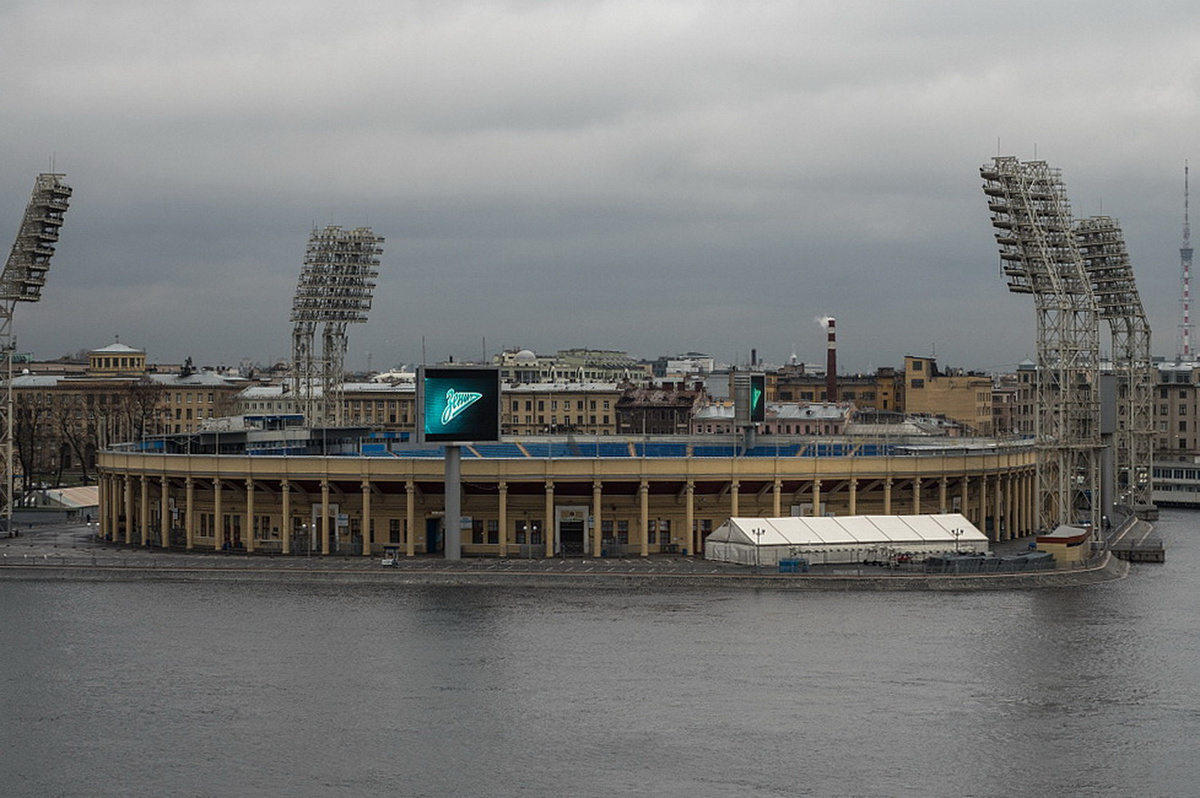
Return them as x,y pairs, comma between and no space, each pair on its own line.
654,177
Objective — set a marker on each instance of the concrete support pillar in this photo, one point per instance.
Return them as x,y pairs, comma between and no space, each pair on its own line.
1011,524
285,522
733,499
324,516
189,523
816,502
410,518
218,529
249,516
777,499
503,522
964,506
597,521
854,497
366,518
689,517
998,507
983,505
128,508
548,524
916,496
887,496
144,509
644,523
164,510
943,490
103,524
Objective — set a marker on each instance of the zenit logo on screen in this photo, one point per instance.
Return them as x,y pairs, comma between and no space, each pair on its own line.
460,404
758,398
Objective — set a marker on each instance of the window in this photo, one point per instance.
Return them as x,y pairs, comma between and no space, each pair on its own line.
652,532
477,531
394,530
918,365
918,383
493,531
623,533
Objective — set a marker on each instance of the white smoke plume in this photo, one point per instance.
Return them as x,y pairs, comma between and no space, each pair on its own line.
824,321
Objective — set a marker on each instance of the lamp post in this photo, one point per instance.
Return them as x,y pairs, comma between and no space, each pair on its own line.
957,534
758,533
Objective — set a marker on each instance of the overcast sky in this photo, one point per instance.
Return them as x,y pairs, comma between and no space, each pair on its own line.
649,176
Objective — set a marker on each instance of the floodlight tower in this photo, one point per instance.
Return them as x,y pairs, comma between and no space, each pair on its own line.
1040,256
22,280
337,284
1102,246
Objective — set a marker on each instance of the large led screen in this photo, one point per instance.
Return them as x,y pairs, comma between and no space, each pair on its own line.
758,398
459,405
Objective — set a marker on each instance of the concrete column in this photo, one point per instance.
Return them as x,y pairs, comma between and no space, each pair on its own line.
165,512
998,505
597,521
943,485
285,523
105,510
1011,523
733,499
689,517
503,522
816,502
777,498
189,529
366,517
324,516
410,518
218,518
144,509
854,497
917,496
644,524
983,505
128,508
964,505
249,516
887,496
548,524
1031,518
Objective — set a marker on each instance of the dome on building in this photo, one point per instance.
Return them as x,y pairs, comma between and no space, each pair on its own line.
525,356
117,348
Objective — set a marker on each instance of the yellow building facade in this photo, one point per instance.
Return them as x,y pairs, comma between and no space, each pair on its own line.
532,506
965,398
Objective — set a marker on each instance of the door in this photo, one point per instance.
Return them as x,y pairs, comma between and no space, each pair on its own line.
433,535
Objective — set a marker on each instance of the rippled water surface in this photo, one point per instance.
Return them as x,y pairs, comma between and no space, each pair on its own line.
176,689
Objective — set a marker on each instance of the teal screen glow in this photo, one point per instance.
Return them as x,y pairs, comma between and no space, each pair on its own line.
460,405
758,398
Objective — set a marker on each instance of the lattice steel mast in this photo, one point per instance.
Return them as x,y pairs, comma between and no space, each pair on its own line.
22,280
1102,246
1040,256
337,284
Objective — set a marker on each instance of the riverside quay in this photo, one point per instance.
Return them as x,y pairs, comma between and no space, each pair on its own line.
350,492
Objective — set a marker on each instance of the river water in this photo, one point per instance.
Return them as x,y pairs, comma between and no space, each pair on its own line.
218,689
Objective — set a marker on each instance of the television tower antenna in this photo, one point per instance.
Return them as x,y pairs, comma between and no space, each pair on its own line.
1185,260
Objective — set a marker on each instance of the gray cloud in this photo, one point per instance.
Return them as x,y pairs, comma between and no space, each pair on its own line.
652,176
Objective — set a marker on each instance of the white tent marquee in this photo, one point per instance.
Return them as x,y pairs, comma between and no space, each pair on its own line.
842,539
